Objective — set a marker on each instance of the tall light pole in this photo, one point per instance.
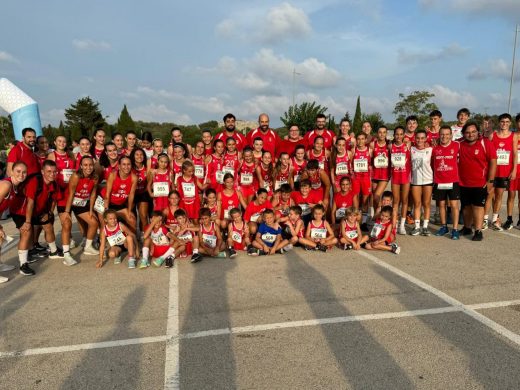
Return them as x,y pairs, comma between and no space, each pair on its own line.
512,71
294,73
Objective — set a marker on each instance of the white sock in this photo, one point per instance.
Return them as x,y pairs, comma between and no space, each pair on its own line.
417,223
88,243
495,217
22,256
425,223
371,212
52,246
401,223
169,252
66,248
146,253
486,217
195,250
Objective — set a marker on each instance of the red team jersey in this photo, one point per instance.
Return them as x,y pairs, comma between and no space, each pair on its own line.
328,137
445,161
474,162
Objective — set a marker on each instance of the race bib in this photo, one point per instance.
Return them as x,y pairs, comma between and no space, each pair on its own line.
341,168
99,206
209,240
266,186
220,177
297,177
316,185
306,209
398,160
228,170
255,217
352,234
116,239
79,202
186,237
161,189
160,239
237,237
322,164
381,161
188,189
376,230
246,178
279,183
340,213
503,157
269,238
360,165
226,214
67,173
199,171
318,233
445,186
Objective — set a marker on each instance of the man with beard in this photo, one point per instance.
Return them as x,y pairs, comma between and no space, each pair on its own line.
230,132
23,151
320,130
270,138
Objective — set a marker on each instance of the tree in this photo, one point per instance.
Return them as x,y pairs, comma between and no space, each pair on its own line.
210,125
331,123
83,117
356,126
125,121
346,117
417,103
375,119
303,115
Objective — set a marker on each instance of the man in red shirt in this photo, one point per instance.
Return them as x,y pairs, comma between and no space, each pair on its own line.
230,131
33,205
477,167
289,143
320,130
270,138
23,151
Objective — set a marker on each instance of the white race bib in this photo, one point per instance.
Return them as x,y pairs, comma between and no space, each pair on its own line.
116,239
279,183
269,238
445,186
228,170
161,189
322,164
360,165
220,177
79,202
226,214
340,213
342,168
381,161
318,233
67,173
352,234
374,233
237,237
99,206
186,237
255,217
503,157
199,171
398,160
246,178
209,240
188,189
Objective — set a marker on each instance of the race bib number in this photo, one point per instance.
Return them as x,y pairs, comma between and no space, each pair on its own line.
398,160
503,157
340,213
220,177
160,239
246,178
186,237
161,189
342,168
269,238
319,233
116,239
381,161
199,171
209,240
67,173
79,202
99,206
376,230
306,209
352,234
237,237
255,217
228,170
445,186
188,189
360,165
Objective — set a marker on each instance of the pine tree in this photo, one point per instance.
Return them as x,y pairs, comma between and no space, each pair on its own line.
125,121
356,126
83,117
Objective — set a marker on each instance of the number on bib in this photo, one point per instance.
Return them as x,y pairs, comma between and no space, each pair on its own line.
269,238
99,206
79,202
503,157
376,230
67,173
352,234
237,237
220,177
342,168
246,178
361,165
209,240
398,160
255,217
116,239
161,189
381,161
188,189
199,171
445,186
319,233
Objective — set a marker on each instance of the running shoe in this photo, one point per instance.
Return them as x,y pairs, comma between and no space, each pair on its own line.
131,263
415,232
72,243
485,224
287,248
508,225
168,262
158,261
252,251
68,259
26,270
321,247
425,232
196,257
401,230
261,252
143,263
348,247
117,260
40,248
222,254
466,231
58,254
455,234
497,226
442,231
395,248
232,253
3,279
37,255
90,251
477,236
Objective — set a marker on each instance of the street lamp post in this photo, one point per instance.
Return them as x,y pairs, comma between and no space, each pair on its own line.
512,71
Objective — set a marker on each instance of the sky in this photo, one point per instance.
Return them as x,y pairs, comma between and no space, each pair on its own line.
192,61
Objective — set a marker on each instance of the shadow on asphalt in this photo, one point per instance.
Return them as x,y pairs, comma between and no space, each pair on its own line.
492,361
100,368
364,362
208,362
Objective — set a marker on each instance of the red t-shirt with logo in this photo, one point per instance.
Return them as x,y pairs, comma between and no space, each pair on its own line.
445,161
474,162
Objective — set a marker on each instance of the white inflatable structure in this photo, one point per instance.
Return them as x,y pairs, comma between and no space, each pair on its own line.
22,108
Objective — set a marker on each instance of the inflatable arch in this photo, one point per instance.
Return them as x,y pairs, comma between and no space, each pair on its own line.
22,108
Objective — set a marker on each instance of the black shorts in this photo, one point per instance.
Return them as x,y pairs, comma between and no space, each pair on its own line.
19,220
78,210
421,185
473,196
143,197
501,182
441,194
117,207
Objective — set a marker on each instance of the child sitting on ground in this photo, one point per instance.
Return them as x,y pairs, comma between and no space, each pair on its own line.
238,233
294,229
319,234
351,236
119,238
186,237
157,240
210,238
382,235
268,238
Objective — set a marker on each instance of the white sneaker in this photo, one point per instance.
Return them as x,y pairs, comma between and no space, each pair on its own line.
8,243
3,279
6,267
72,243
287,248
401,230
68,259
90,250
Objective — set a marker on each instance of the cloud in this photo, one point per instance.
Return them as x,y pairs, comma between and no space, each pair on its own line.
251,82
225,28
89,44
157,93
405,56
53,116
7,57
494,69
504,8
446,97
153,112
224,65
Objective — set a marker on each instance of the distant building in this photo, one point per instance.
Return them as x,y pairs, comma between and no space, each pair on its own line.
242,125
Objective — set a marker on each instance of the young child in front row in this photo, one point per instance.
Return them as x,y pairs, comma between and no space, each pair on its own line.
382,236
351,236
185,237
119,238
238,233
157,240
210,238
268,238
294,229
319,234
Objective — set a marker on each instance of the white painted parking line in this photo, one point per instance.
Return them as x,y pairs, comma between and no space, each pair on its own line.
503,331
173,340
171,364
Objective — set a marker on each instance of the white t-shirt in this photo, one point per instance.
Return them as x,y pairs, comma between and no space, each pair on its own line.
422,172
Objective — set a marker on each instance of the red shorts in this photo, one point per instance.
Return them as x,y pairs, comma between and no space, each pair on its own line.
362,184
400,177
247,191
159,250
192,209
514,185
160,203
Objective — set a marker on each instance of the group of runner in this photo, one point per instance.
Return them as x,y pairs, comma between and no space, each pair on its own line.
257,192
